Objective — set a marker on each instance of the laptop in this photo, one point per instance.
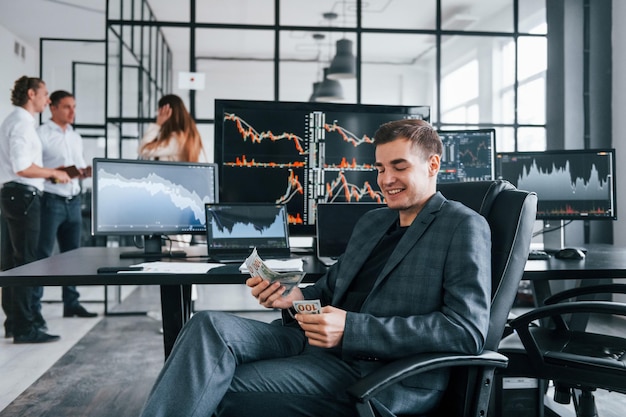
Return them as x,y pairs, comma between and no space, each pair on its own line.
234,229
334,223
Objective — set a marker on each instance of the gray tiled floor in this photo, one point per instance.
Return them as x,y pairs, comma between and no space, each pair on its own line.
21,365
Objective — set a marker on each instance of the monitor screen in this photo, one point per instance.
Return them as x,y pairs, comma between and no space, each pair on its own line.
151,198
468,155
570,184
300,154
247,225
335,223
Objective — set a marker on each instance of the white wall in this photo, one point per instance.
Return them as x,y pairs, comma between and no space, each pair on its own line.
619,117
14,66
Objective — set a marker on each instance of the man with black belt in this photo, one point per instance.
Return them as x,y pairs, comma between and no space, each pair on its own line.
22,177
61,204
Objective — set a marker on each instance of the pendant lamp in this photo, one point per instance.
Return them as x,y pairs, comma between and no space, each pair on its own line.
343,65
316,86
329,90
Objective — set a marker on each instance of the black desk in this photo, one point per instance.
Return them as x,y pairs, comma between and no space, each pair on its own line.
79,267
602,262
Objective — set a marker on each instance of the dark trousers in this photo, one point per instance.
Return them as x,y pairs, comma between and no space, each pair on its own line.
233,366
20,211
61,222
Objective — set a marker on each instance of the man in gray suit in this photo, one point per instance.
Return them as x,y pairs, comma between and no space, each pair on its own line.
415,277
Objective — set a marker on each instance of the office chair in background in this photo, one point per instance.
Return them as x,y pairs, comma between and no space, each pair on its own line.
575,359
511,216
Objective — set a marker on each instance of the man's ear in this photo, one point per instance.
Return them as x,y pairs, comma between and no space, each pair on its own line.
434,163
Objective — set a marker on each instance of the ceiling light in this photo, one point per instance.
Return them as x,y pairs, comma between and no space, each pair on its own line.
329,90
343,64
316,86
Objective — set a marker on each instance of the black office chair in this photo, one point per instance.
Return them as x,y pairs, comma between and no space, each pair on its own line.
511,216
575,359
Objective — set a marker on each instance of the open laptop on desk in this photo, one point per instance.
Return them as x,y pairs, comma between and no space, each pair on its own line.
334,223
234,229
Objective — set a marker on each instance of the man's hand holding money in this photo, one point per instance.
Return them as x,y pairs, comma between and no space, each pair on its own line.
272,289
324,329
270,295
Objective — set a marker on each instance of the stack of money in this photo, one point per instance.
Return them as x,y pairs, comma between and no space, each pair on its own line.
257,267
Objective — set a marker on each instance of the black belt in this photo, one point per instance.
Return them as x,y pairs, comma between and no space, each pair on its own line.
59,197
23,187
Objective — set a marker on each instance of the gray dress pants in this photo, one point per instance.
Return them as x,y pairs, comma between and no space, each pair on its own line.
227,365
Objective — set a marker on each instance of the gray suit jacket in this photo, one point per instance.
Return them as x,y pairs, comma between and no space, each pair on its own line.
433,294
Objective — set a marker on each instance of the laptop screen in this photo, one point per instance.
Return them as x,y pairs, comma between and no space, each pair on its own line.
235,227
335,222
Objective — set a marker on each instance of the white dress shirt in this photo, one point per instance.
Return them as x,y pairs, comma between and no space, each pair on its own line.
61,148
20,147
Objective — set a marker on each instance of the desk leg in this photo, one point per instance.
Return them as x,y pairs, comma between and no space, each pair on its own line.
175,310
541,291
579,321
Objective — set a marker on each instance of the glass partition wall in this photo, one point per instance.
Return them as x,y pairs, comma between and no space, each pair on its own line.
476,64
138,72
463,58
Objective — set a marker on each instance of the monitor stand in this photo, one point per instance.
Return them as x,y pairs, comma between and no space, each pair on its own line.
152,250
553,236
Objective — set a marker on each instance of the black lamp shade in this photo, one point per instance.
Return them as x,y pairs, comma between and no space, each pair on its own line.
329,90
343,64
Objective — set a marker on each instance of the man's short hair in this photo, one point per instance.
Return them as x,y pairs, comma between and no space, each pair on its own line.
19,94
59,95
419,132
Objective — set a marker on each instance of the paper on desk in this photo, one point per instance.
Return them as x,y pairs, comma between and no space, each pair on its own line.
173,267
280,265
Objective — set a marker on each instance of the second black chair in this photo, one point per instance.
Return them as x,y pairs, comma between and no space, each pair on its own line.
575,359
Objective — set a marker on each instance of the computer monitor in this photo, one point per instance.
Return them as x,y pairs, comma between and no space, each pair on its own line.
300,154
570,184
152,199
335,223
468,155
234,229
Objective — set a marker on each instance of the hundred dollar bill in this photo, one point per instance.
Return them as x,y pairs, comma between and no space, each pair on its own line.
257,267
307,306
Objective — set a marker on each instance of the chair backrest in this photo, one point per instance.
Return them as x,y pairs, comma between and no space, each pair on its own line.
511,216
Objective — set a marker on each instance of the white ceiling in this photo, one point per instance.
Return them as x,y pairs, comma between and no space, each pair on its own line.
34,19
85,19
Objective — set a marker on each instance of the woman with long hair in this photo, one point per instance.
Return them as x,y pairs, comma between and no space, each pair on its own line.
174,136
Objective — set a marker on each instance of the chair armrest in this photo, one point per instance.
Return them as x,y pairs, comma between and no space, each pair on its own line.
592,289
600,307
522,323
395,371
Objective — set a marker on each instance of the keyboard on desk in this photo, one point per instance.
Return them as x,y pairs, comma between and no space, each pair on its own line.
538,255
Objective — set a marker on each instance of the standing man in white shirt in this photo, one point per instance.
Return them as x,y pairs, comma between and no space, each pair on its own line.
61,203
22,176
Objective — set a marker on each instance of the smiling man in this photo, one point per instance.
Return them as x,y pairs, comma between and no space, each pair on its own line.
415,278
